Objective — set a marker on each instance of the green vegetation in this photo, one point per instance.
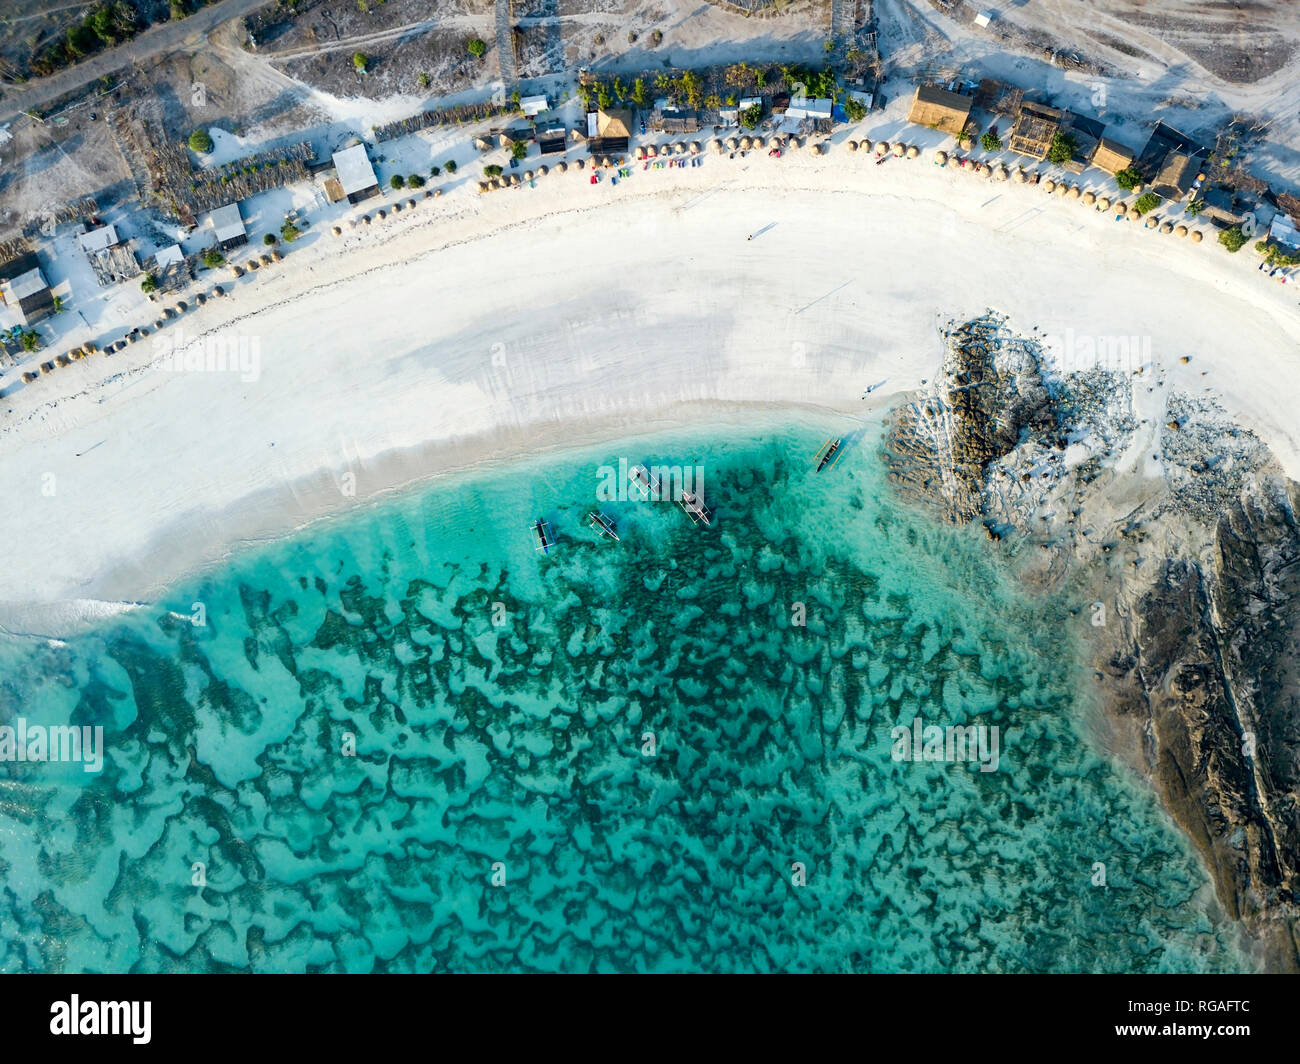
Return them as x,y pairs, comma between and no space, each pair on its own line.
990,141
854,109
414,181
149,284
30,341
638,96
423,80
434,171
819,84
631,37
1128,179
1063,148
1233,239
1276,255
397,181
492,170
201,141
108,24
361,61
657,37
289,231
58,304
751,116
477,47
1194,207
212,258
519,149
450,166
1146,203
269,240
178,9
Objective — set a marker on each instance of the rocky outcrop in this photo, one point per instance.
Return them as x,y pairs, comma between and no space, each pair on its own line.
1199,567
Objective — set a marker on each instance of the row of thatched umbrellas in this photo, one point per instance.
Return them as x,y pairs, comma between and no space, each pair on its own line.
651,151
381,214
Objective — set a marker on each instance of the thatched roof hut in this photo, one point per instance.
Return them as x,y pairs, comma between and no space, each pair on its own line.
1018,175
1167,228
865,146
913,151
882,147
1181,231
1103,203
942,110
1089,198
900,149
1133,214
1049,186
1197,236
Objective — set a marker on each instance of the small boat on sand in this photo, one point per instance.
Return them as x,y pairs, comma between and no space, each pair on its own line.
542,535
603,525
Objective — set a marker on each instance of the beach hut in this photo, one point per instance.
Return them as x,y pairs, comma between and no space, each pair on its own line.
900,149
1181,231
1133,214
1103,204
913,151
1167,228
1089,198
882,147
1049,186
852,145
940,158
1197,236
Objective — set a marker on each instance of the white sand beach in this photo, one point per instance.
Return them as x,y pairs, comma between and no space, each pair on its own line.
473,328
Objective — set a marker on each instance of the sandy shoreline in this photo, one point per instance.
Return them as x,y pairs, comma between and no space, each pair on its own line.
475,328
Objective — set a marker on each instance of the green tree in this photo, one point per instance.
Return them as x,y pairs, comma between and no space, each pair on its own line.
1062,149
1146,203
269,240
519,149
1128,179
492,170
450,166
415,181
990,141
476,47
397,181
1274,255
434,171
58,304
361,61
201,141
751,116
31,341
1233,239
854,109
289,231
212,258
423,80
149,284
638,92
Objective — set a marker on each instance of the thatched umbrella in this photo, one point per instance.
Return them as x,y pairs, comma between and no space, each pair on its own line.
746,143
144,331
977,168
1152,222
882,147
716,145
1018,176
1000,174
218,291
1197,236
900,149
865,146
1134,214
1062,188
1103,203
1089,198
759,142
940,158
819,149
337,231
253,265
1137,189
913,151
410,205
1181,231
483,186
528,175
237,271
62,360
579,163
795,142
1049,186
1075,192
397,208
380,215
852,145
681,147
90,347
365,219
1166,227
266,259
159,323
481,144
200,299
641,153
277,256
131,338
514,179
430,193
562,166
1121,207
168,312
542,171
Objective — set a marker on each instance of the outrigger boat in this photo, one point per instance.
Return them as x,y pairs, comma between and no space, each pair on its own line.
694,506
648,482
603,525
542,534
829,453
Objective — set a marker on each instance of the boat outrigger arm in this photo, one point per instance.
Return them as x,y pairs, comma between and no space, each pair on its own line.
603,525
542,534
648,482
694,506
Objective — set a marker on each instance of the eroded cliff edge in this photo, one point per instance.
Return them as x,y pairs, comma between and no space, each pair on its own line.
1176,533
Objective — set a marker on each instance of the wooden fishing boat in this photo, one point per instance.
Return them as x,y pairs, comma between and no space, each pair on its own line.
542,536
603,525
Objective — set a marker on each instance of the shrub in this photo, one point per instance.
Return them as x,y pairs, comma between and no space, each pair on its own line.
201,141
476,47
397,181
854,109
423,80
212,258
149,284
990,141
415,181
290,232
450,166
1146,203
434,171
519,149
1273,254
269,240
1128,179
656,37
58,304
750,116
30,341
360,60
1062,149
492,170
1233,239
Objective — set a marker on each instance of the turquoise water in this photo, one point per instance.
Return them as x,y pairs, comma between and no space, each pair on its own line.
644,765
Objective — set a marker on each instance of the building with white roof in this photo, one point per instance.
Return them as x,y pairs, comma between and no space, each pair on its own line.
99,239
533,105
228,225
356,175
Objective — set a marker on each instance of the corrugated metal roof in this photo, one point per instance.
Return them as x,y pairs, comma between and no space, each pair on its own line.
99,239
227,222
27,284
354,169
